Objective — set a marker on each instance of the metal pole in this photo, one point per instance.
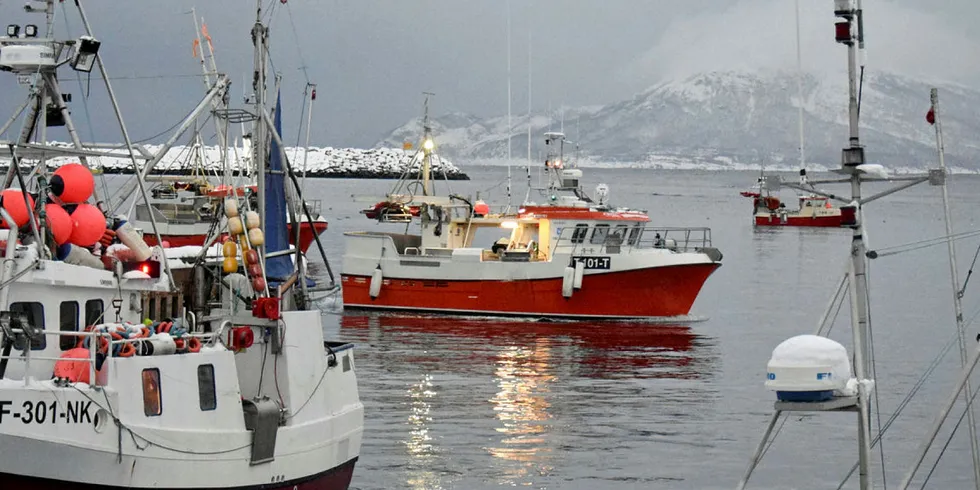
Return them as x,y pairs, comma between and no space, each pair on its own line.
957,299
509,127
858,269
125,133
799,92
757,455
59,101
938,423
259,34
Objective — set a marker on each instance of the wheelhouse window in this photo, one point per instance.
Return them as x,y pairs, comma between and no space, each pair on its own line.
621,231
94,308
580,232
599,234
152,404
205,387
35,316
634,235
68,322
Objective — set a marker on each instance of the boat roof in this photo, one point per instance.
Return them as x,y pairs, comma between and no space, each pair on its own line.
583,213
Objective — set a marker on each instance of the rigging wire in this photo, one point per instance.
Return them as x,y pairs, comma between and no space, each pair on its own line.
299,48
948,441
874,370
969,273
920,244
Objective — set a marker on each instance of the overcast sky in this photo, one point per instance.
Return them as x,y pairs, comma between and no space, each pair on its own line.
372,59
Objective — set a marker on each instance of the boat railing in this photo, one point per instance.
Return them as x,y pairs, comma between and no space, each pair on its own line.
676,239
315,207
27,356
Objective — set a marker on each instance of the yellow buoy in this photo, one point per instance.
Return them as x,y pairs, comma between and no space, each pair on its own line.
235,226
255,237
231,208
229,249
230,265
251,220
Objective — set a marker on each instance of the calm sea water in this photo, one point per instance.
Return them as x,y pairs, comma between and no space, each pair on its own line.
453,403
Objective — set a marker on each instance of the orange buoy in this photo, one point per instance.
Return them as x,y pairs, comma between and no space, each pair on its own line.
193,344
88,225
481,208
67,367
73,183
59,222
229,249
13,203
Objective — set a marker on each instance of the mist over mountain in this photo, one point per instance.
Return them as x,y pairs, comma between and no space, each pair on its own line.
734,119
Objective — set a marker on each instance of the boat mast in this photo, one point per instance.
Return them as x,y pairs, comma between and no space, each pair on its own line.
799,95
259,36
849,33
527,197
957,294
427,146
509,127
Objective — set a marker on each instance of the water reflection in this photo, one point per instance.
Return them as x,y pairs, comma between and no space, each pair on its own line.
589,349
521,402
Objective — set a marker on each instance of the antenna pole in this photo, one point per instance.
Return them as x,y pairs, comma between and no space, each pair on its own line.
799,92
427,146
957,294
527,197
259,37
509,126
848,32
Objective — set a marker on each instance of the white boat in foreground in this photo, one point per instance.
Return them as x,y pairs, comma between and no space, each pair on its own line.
110,375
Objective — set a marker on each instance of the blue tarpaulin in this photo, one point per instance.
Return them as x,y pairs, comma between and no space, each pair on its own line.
277,269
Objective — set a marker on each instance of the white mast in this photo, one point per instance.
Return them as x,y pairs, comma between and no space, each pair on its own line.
527,197
799,95
509,126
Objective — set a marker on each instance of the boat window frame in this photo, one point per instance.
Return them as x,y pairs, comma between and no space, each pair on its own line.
206,388
66,324
152,407
599,234
90,317
634,235
580,232
35,312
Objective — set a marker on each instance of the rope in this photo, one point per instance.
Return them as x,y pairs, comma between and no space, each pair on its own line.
929,242
948,440
299,49
19,274
134,435
968,274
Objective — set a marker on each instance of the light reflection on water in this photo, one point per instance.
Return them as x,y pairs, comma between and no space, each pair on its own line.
488,402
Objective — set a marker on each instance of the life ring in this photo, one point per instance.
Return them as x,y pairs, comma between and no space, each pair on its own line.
144,333
193,345
180,344
127,350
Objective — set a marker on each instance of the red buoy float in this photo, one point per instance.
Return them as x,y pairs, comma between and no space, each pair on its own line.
13,203
88,225
73,183
59,222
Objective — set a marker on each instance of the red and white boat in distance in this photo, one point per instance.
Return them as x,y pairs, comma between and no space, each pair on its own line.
813,210
574,256
187,211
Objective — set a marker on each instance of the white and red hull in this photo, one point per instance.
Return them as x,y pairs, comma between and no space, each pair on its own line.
823,221
649,293
198,234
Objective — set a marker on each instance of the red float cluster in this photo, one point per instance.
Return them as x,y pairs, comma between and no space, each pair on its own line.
73,221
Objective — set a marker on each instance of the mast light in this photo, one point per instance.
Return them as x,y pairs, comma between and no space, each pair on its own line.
428,144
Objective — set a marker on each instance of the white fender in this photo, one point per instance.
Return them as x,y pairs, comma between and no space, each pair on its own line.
566,282
579,273
376,279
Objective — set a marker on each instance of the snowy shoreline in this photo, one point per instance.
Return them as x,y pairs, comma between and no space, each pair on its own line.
380,163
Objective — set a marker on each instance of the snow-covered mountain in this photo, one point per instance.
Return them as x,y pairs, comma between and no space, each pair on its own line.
736,119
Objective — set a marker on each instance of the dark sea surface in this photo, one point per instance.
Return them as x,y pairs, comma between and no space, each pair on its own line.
472,403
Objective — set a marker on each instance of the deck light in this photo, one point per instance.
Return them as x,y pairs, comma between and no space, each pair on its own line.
88,50
13,30
30,30
510,225
428,145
